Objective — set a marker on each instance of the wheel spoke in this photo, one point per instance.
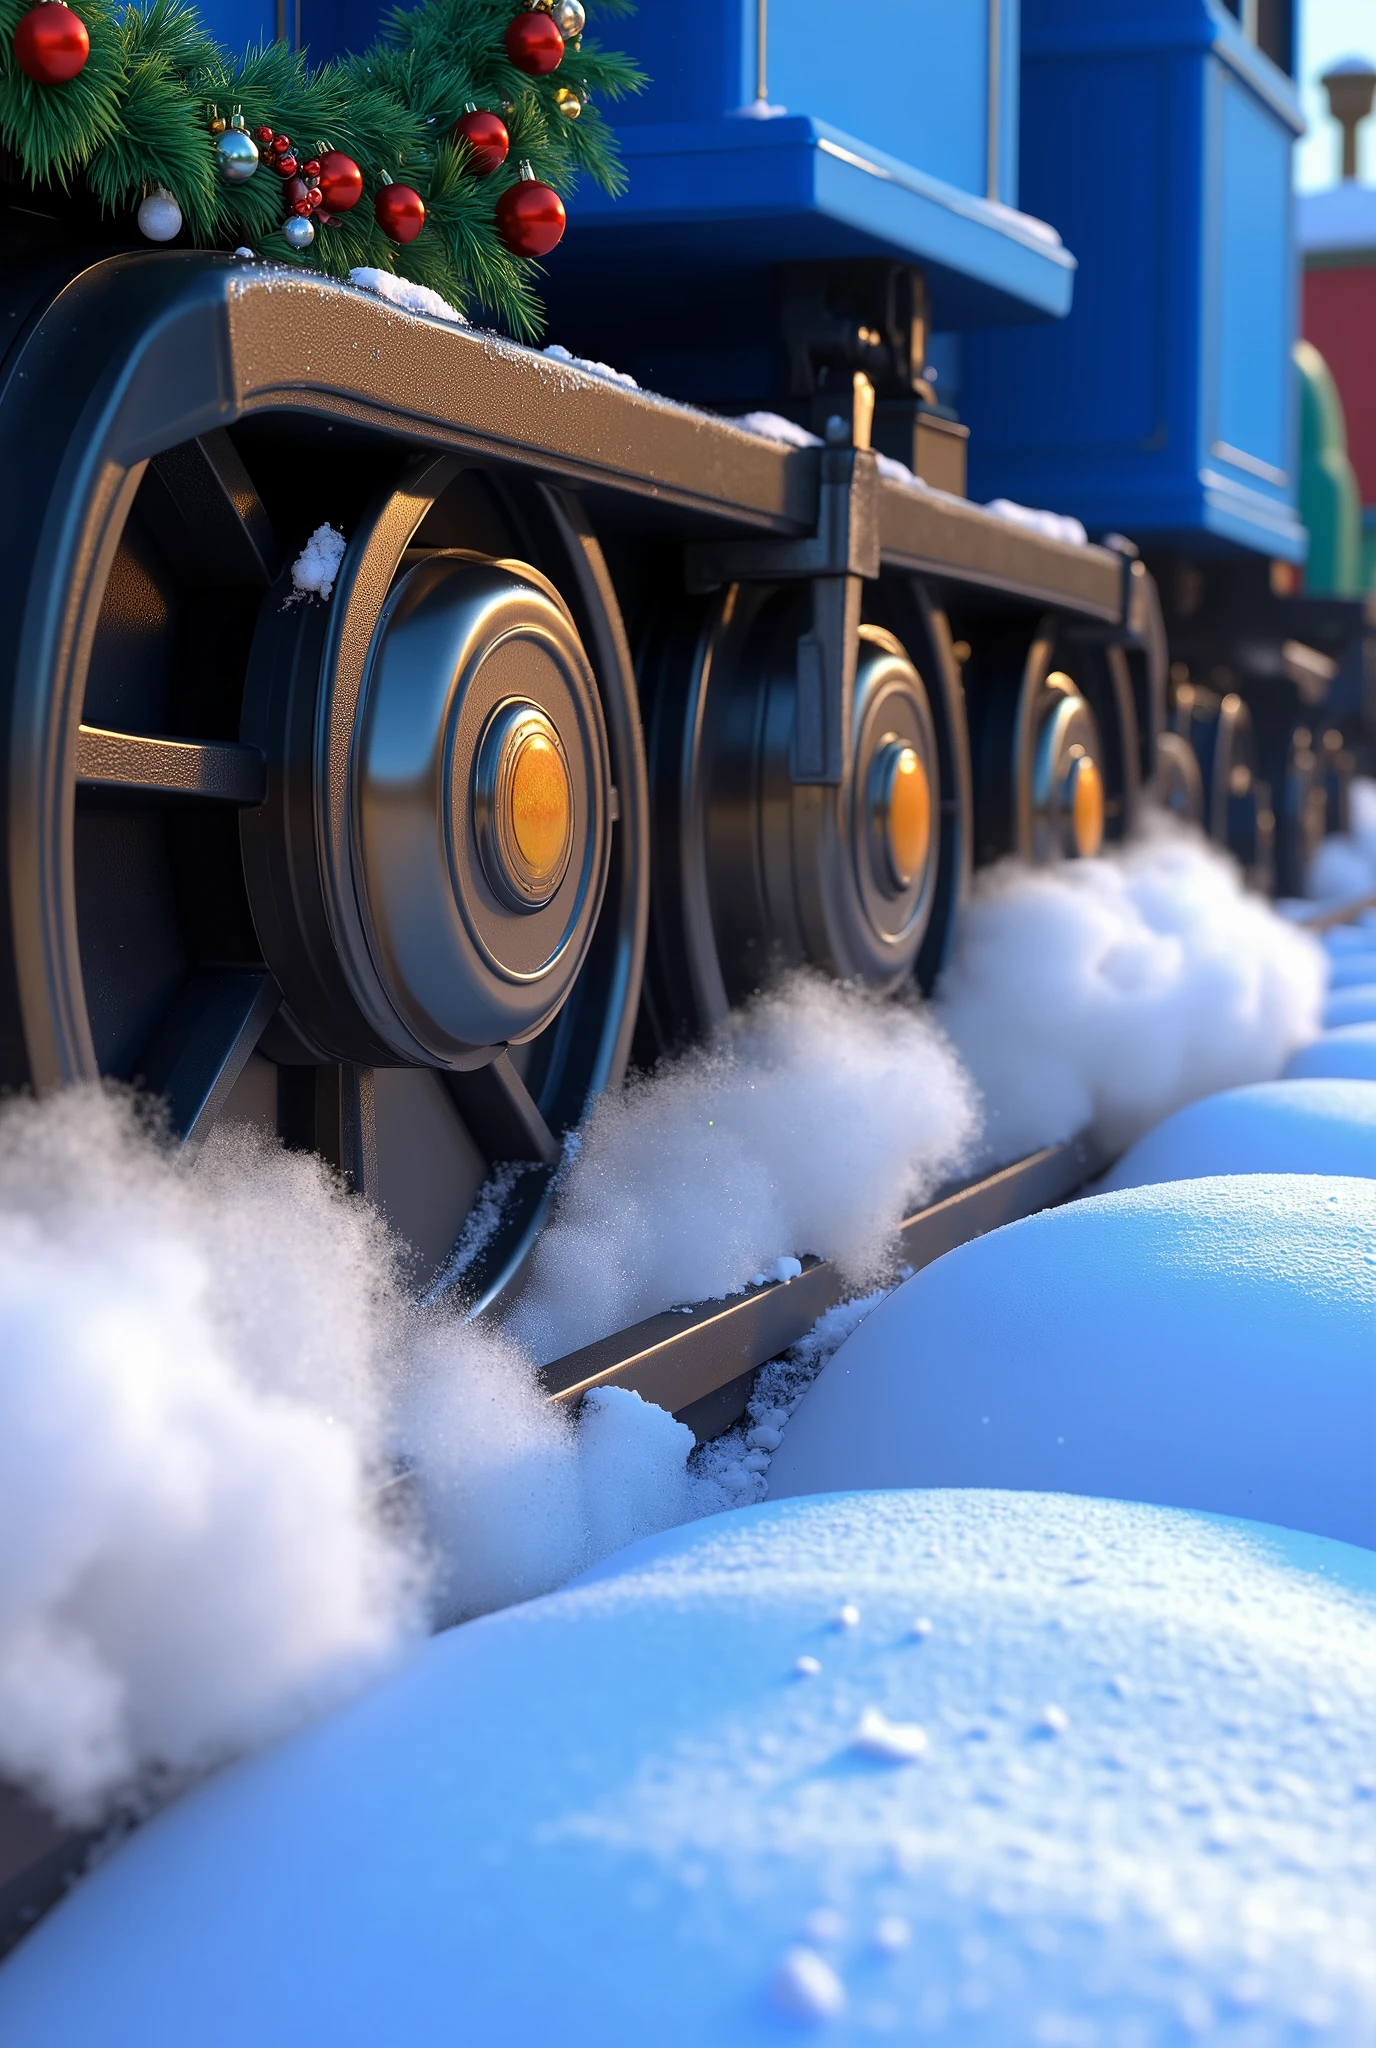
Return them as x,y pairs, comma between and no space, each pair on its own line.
204,1043
207,516
502,1114
220,769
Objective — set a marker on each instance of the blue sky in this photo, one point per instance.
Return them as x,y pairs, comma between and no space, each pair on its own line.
1330,29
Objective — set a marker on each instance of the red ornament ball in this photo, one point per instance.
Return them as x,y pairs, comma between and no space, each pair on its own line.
530,218
487,139
400,212
534,44
341,181
51,44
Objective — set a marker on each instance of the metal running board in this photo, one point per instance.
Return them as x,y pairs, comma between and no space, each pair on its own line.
701,1358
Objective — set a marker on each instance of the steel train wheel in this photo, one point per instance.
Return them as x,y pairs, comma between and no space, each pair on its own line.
1237,800
1055,743
370,894
754,871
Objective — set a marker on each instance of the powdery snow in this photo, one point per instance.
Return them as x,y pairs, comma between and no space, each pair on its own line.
1202,1344
191,1434
411,298
1110,992
615,1816
208,1374
1293,1126
1344,865
818,1118
1051,525
593,369
315,568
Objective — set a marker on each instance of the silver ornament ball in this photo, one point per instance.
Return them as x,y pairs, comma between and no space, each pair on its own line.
299,232
159,216
237,155
569,18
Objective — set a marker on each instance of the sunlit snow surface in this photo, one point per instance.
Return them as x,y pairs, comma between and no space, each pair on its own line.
1203,1344
1292,1126
1145,1811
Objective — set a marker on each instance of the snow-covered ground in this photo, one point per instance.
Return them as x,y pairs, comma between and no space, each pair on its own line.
979,1769
212,1372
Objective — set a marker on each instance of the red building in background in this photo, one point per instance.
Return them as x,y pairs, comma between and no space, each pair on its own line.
1337,235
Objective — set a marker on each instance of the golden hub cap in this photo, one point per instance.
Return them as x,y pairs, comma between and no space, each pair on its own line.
523,805
905,812
1086,806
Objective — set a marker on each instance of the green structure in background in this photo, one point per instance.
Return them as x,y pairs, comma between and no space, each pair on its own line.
1330,502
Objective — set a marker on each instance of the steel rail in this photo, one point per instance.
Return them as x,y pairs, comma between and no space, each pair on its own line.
697,1361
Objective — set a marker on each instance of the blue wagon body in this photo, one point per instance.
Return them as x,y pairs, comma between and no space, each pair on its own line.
1157,139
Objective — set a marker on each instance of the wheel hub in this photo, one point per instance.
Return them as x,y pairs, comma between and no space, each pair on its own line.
460,813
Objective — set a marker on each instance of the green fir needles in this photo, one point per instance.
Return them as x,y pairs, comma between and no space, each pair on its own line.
141,119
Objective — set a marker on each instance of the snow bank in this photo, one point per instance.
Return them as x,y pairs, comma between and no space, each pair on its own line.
190,1438
1142,1814
1292,1126
1350,1006
1344,865
1347,1054
207,1376
1206,1344
815,1121
1113,991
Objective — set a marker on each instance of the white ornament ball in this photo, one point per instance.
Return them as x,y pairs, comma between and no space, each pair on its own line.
298,232
159,216
569,18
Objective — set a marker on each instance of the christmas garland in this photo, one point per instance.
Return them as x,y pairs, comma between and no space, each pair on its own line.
437,153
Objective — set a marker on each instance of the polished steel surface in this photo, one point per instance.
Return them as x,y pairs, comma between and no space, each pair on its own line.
476,686
1067,803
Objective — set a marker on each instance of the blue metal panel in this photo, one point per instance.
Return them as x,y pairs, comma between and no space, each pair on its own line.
738,194
1249,412
1157,140
766,137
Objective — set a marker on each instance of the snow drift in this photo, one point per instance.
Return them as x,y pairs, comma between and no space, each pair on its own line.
816,1120
1345,864
190,1439
1111,992
209,1374
1076,1775
1198,1344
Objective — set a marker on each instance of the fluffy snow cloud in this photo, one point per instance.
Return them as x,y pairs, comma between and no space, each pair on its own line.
812,1124
1111,992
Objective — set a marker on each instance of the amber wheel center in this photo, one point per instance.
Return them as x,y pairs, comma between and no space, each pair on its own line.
523,805
906,798
540,804
1087,806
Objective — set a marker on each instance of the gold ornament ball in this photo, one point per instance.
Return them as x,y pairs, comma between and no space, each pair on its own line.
569,18
568,103
237,155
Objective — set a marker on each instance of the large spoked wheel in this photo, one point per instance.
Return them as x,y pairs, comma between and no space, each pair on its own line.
1055,742
755,871
369,872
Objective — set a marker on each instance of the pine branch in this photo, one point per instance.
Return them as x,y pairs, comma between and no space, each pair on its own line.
138,115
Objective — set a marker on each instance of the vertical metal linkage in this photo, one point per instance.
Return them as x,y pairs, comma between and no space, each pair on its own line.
991,171
761,44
